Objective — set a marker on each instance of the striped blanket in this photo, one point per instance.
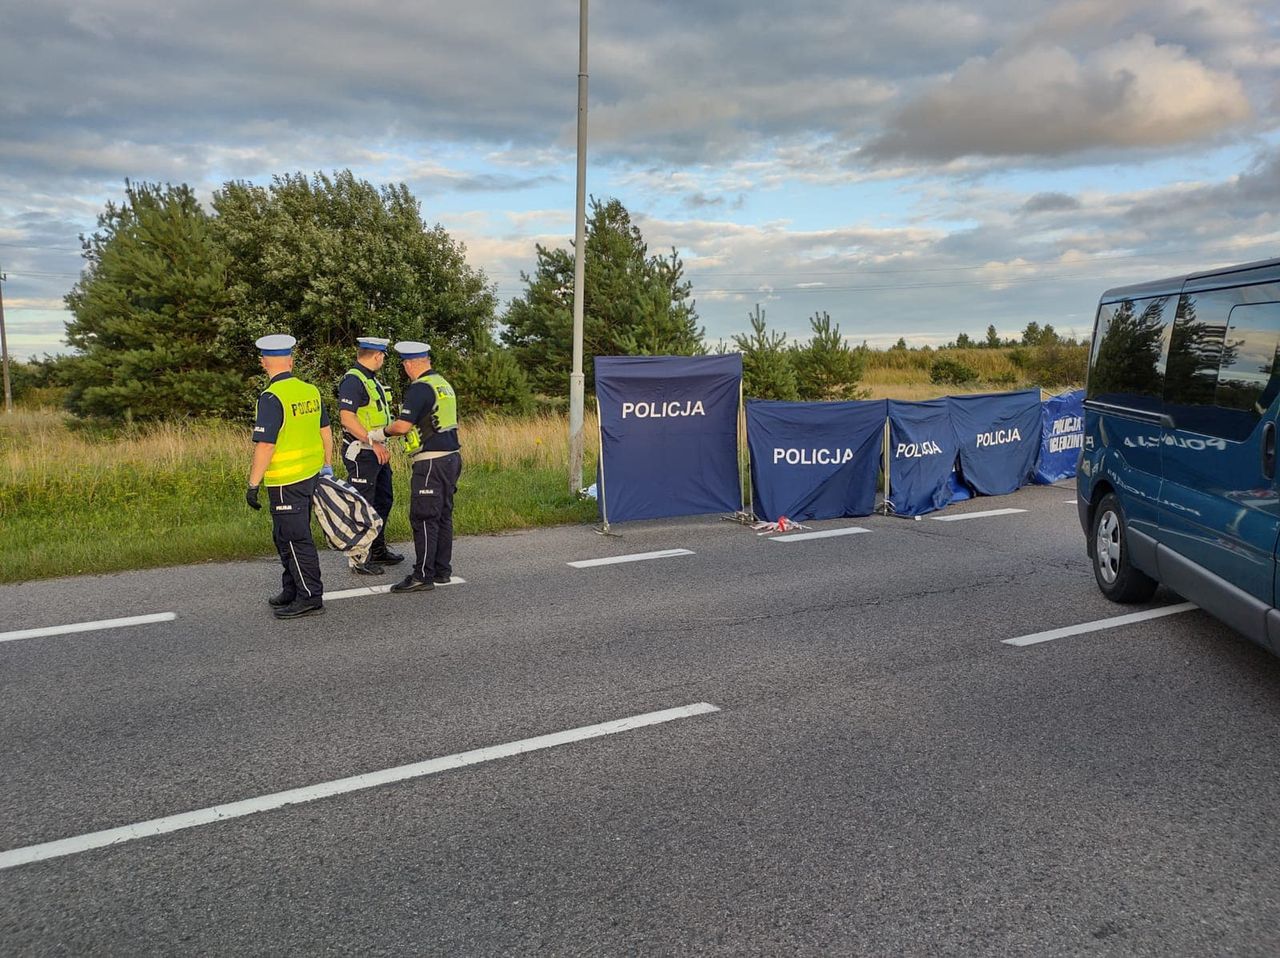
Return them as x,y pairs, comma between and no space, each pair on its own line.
348,521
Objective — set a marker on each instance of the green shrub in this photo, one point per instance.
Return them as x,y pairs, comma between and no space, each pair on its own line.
951,372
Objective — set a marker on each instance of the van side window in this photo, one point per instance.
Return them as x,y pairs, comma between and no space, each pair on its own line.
1221,360
1249,374
1127,367
1195,350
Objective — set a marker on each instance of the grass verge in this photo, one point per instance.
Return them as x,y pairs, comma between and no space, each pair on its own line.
75,502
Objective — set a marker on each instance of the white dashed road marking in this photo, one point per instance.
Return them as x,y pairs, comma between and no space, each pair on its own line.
356,783
976,515
380,589
824,534
636,557
87,626
1038,637
102,624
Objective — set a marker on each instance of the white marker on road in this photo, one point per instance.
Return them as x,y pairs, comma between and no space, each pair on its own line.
636,557
380,590
824,534
976,515
87,626
1038,637
356,783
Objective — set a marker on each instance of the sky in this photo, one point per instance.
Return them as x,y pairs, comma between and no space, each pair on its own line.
914,169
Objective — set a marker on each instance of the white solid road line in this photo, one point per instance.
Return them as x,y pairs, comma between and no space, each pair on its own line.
86,626
824,534
636,557
976,515
356,783
380,590
1099,625
1070,502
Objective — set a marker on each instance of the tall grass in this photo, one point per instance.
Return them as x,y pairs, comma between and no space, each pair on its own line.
76,500
906,374
899,365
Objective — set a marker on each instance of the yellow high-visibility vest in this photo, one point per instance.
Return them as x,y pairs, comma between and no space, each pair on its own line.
299,453
443,418
376,412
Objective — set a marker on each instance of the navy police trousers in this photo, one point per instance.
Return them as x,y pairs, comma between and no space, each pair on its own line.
291,529
373,481
431,488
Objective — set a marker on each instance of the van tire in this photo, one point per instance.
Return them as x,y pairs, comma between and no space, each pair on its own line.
1115,574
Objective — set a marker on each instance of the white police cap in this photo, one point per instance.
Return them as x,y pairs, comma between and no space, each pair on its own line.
373,342
278,344
413,350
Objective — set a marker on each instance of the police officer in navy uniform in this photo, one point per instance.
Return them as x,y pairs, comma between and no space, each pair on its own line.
363,405
429,422
293,446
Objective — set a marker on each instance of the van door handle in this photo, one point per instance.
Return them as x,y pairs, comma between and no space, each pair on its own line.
1269,450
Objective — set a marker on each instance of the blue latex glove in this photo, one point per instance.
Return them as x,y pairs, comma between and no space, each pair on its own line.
327,471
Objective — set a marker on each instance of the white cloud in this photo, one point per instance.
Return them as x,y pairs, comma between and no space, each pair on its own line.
1043,100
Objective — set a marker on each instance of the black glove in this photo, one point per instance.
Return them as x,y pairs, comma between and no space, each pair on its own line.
251,497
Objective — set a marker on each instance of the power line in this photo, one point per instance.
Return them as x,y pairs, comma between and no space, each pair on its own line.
778,290
69,249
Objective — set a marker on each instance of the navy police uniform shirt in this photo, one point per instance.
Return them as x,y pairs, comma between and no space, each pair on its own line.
266,428
419,404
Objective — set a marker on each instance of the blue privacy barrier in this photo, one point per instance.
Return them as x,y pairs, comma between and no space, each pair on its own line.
814,460
668,435
921,456
998,435
1061,437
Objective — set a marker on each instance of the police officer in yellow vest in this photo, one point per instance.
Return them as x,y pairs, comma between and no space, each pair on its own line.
293,446
363,405
429,422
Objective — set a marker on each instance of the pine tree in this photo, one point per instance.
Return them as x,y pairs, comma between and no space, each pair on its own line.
150,314
634,303
826,366
767,370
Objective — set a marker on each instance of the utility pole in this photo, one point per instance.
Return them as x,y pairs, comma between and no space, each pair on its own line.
576,378
4,348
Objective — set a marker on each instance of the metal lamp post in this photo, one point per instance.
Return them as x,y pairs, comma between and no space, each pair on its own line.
576,378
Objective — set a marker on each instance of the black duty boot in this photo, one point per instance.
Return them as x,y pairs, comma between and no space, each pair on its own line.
410,584
280,599
300,607
384,555
368,567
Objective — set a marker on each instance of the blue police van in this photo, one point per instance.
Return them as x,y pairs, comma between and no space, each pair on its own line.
1177,475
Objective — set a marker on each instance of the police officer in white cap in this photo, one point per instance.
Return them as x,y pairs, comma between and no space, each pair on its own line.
293,445
429,422
364,405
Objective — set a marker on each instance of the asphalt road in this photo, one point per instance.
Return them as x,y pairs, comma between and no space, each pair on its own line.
884,776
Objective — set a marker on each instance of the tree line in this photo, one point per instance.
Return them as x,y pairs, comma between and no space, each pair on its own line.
173,294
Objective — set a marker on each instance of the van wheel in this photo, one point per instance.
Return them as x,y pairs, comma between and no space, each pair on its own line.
1117,578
